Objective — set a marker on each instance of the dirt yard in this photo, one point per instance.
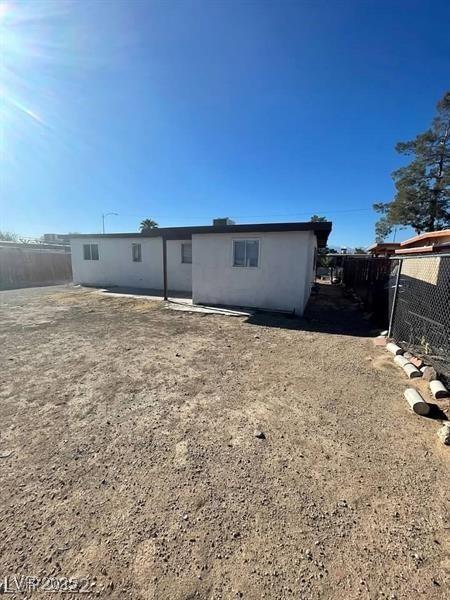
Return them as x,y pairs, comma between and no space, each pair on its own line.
129,457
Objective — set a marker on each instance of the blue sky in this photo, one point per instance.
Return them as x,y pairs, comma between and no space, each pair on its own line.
182,111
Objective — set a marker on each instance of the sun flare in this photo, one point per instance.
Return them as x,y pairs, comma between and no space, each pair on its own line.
27,47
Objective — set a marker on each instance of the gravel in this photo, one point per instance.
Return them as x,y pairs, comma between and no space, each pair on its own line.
135,465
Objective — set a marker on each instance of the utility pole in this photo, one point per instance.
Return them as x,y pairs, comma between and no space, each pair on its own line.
104,215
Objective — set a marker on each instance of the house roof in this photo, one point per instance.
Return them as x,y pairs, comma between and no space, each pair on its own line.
380,246
426,237
430,242
321,229
417,250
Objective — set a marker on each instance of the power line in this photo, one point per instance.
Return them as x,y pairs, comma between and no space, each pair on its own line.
267,215
264,216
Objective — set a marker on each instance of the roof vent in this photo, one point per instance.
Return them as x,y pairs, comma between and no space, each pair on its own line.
221,221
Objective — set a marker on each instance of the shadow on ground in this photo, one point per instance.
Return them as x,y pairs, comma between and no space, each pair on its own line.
436,413
328,311
133,291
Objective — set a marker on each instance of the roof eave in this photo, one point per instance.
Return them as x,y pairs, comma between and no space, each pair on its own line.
425,236
321,230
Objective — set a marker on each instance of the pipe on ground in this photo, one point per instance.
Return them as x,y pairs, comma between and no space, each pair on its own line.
416,402
438,389
393,348
411,370
400,360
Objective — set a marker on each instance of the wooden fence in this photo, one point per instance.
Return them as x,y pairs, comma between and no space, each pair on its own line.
368,278
30,266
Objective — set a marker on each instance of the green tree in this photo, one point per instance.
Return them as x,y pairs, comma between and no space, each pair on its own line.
317,219
383,227
148,224
422,198
360,251
322,259
8,236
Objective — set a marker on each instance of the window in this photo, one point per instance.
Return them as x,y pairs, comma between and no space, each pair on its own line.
90,251
136,252
186,253
245,253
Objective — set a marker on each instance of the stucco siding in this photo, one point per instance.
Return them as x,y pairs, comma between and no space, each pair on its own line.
280,282
115,265
179,274
424,269
310,266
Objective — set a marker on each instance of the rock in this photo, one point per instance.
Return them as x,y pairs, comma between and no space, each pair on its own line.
444,434
260,435
428,373
5,453
417,362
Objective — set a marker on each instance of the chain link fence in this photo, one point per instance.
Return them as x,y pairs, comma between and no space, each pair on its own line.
419,292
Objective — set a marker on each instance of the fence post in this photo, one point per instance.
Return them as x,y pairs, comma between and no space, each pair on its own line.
368,280
394,299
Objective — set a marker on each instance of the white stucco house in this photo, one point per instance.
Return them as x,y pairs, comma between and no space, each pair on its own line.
268,266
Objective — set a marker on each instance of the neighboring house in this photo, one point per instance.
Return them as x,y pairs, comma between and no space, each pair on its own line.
383,249
269,266
421,313
426,243
55,238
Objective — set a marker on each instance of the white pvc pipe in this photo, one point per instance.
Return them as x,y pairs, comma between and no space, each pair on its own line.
411,370
400,360
416,402
393,348
438,389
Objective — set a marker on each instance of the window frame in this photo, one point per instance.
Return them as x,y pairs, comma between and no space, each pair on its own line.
245,266
89,246
138,246
183,261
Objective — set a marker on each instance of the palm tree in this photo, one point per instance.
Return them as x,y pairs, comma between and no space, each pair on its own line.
148,224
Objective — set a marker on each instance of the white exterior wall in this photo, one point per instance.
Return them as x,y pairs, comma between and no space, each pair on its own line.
282,281
116,267
311,267
179,275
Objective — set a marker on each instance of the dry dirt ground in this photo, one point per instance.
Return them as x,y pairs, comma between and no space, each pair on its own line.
135,464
